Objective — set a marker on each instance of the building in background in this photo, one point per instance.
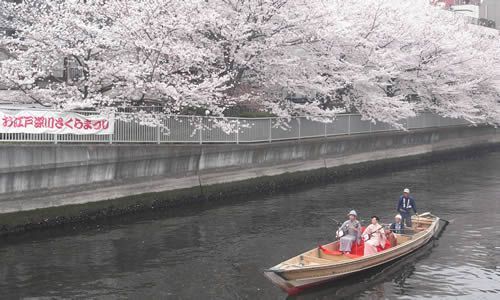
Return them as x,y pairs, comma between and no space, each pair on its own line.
479,12
490,10
468,10
450,3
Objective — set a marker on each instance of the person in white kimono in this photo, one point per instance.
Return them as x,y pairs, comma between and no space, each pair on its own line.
374,236
351,232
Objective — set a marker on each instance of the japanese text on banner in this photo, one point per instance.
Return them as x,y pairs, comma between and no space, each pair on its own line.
26,121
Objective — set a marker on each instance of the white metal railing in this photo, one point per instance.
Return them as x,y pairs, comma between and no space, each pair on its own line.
196,129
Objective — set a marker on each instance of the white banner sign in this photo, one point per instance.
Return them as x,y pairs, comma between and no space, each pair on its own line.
34,121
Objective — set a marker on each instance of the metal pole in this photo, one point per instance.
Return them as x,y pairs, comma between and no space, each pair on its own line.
201,131
325,129
111,139
55,138
298,120
237,131
158,135
348,124
270,130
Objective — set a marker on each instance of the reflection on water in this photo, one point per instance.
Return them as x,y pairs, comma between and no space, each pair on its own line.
219,251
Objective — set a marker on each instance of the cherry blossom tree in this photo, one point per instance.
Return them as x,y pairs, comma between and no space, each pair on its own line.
398,58
125,51
387,60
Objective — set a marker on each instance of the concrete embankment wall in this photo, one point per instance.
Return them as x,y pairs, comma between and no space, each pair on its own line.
34,177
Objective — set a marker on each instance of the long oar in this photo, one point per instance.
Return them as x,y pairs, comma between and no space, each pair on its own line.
340,223
429,214
336,221
446,221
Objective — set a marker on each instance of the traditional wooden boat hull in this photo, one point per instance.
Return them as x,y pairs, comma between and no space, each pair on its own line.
315,267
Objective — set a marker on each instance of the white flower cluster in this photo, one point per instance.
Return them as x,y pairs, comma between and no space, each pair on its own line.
388,60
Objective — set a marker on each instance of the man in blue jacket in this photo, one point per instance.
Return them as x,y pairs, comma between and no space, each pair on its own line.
405,205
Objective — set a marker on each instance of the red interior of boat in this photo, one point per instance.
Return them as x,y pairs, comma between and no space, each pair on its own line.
356,250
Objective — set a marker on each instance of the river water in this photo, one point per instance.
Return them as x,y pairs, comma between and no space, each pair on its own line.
219,251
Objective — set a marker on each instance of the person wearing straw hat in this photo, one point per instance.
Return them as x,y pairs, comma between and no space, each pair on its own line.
405,205
349,232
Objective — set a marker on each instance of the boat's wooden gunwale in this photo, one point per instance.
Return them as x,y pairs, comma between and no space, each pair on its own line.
358,269
410,245
319,279
299,277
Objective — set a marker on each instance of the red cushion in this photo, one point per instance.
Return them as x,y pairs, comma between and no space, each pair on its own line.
387,246
329,252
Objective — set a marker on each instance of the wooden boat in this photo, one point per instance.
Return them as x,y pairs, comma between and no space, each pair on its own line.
325,263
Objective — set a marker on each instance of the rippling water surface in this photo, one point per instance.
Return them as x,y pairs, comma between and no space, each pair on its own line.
219,251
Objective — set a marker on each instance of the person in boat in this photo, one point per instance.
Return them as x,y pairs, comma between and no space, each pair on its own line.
397,227
405,205
349,232
374,236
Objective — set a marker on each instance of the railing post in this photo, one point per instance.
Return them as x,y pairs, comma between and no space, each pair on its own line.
158,135
55,138
200,130
349,125
110,139
270,130
237,131
298,120
370,126
325,130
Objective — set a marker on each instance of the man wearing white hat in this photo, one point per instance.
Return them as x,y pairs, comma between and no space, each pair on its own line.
397,226
405,205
